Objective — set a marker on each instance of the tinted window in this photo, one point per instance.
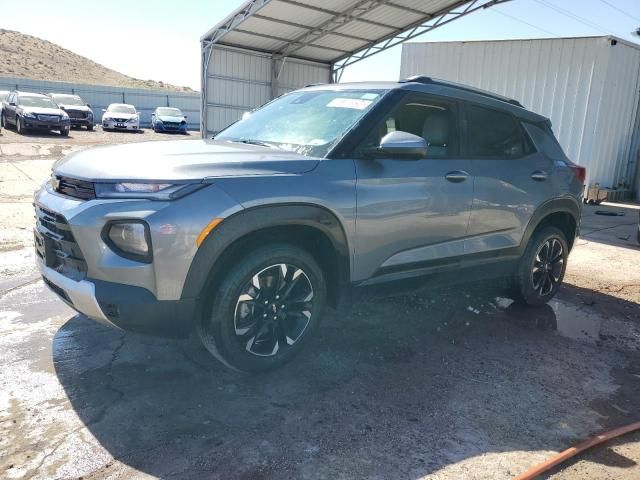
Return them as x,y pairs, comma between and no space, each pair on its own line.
429,117
495,134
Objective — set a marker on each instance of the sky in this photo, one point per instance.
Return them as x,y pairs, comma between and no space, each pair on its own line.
160,40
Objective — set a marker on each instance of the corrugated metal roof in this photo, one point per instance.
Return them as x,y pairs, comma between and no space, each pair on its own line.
325,32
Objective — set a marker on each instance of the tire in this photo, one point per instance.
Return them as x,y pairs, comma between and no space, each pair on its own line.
542,267
90,128
64,132
250,335
3,122
19,128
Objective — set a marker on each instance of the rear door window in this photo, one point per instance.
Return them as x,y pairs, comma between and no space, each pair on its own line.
495,134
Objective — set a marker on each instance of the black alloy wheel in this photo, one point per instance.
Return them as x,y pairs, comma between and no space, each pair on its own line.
542,267
273,310
263,308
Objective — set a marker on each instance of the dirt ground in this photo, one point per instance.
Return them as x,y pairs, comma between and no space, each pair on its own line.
436,384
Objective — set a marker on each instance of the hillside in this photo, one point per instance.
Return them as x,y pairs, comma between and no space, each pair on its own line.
26,56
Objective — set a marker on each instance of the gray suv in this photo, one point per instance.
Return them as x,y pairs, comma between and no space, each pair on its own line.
246,237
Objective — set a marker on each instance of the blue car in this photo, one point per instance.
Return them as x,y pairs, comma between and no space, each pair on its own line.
168,119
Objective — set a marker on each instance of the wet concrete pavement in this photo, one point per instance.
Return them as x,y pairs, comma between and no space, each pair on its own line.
439,383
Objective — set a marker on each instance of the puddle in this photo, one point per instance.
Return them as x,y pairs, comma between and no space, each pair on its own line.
569,321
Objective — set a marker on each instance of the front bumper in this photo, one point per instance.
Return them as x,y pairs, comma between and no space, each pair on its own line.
42,124
97,282
130,308
112,124
167,127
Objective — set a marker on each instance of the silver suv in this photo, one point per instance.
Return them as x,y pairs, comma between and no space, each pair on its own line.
246,237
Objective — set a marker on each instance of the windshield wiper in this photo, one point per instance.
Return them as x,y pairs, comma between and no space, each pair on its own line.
249,141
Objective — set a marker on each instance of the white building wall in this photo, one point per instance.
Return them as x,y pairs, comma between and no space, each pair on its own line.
239,80
586,86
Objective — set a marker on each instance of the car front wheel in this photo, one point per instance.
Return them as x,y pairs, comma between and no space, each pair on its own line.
542,267
265,309
19,127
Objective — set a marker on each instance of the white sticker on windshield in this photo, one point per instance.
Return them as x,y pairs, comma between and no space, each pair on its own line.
370,96
355,103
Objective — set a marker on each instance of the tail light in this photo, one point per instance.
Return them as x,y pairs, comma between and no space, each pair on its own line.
579,172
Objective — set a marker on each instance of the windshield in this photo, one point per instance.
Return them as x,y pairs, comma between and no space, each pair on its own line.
121,109
42,102
169,112
310,122
68,100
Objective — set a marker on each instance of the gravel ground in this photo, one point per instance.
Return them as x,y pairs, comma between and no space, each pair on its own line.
438,384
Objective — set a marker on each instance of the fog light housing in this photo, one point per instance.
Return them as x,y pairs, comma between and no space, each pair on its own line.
129,239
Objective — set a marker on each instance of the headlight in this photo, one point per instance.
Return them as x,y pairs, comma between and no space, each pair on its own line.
129,239
133,119
65,116
158,120
28,115
151,191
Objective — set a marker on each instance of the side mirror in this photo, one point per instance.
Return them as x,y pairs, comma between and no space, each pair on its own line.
62,107
104,110
88,105
13,104
185,117
403,144
153,114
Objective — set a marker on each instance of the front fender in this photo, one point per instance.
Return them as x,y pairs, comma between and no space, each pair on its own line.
251,220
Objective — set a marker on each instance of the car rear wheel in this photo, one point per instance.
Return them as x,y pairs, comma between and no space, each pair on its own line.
542,267
265,309
3,121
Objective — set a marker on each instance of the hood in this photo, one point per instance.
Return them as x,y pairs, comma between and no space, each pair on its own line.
180,160
171,118
119,115
77,108
42,111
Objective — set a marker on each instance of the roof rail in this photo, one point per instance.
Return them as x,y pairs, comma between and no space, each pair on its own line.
436,81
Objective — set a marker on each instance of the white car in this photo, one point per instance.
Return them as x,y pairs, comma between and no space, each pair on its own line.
120,116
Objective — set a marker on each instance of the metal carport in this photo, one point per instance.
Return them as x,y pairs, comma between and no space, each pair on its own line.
269,47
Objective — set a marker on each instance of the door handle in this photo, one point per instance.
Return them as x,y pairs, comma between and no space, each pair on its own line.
457,176
539,175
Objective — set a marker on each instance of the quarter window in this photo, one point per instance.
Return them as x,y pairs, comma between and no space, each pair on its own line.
495,134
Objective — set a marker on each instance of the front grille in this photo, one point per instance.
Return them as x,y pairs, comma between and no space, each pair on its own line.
76,114
56,245
49,118
120,120
72,187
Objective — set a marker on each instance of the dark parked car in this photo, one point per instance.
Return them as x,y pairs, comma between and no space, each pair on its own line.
79,111
168,119
3,95
245,238
34,111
